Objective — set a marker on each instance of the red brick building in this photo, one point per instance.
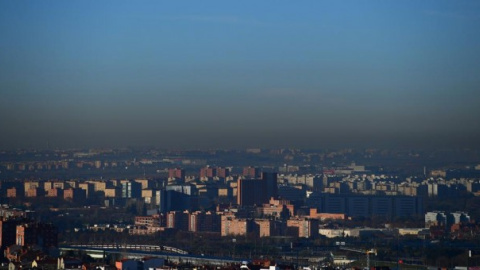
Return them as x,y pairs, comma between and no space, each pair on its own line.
177,220
236,226
324,216
265,227
204,222
307,228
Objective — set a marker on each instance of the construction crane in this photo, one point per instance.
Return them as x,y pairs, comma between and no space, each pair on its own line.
367,252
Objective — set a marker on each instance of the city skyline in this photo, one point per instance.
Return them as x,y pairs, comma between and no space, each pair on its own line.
253,74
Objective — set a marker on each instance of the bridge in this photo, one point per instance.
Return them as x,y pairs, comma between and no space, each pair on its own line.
141,251
132,247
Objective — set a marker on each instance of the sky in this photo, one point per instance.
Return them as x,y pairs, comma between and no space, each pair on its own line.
234,74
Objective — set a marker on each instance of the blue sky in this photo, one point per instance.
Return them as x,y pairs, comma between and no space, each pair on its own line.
187,74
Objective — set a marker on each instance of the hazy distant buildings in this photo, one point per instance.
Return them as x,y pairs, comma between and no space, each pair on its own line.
176,174
208,172
251,172
368,206
214,173
223,173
